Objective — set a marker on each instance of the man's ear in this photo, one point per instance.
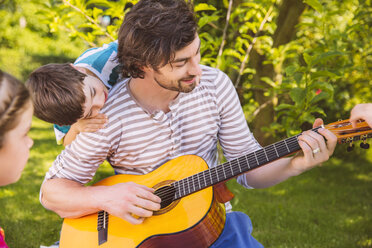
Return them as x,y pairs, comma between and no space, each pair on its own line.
147,69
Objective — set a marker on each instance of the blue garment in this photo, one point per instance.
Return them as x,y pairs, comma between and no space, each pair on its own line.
60,132
63,129
237,233
102,62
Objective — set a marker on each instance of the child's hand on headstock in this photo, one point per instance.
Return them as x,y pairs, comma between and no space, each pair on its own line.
361,112
91,124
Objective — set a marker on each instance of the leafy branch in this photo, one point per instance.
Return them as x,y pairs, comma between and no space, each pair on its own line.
67,2
249,48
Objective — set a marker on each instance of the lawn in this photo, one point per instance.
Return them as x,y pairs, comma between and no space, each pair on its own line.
330,206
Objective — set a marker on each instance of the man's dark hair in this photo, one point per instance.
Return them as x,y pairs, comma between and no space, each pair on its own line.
152,32
57,93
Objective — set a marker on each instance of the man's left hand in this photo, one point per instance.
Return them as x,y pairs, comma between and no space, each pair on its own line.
316,148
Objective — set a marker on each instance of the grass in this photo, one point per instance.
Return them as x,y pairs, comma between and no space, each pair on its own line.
329,206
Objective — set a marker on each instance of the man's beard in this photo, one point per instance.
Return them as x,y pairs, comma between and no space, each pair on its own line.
178,85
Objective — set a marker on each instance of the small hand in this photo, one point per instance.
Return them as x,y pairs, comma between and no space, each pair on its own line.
316,148
90,124
127,200
361,112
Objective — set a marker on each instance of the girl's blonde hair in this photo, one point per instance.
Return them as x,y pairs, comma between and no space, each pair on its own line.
13,101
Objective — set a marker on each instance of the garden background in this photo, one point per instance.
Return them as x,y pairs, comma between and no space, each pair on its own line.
290,61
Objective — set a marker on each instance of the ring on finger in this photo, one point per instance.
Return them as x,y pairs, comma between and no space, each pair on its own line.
316,150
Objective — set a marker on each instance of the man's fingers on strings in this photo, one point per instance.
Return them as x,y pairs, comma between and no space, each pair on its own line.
331,139
145,194
133,220
146,204
318,122
321,145
138,211
145,187
306,149
311,142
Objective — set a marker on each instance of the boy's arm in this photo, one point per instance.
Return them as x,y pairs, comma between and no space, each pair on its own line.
84,125
70,135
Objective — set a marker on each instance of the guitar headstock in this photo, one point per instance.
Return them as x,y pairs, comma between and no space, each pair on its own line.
346,133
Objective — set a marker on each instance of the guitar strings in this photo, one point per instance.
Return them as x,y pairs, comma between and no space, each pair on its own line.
234,165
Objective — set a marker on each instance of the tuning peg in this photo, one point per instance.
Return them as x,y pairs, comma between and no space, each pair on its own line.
364,145
350,147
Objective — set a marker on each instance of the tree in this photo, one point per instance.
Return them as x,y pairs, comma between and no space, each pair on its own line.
287,59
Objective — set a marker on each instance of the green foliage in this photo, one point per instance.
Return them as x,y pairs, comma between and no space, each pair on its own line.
94,21
26,43
322,72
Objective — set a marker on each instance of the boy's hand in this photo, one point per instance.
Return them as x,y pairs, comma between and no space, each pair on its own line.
361,112
90,124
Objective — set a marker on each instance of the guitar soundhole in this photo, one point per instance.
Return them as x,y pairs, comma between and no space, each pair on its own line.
166,195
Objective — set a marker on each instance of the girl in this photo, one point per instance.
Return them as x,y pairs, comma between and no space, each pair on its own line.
16,112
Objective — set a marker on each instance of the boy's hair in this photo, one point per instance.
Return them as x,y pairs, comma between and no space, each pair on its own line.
152,32
13,102
57,93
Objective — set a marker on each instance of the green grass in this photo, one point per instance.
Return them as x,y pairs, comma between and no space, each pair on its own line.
329,206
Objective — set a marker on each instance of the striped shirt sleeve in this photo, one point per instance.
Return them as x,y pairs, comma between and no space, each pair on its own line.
234,135
80,160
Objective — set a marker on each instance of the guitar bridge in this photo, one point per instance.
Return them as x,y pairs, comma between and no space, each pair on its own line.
102,227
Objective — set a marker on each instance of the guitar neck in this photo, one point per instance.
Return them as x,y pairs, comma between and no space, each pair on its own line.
236,166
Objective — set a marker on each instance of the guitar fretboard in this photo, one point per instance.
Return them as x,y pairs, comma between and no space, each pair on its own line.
236,167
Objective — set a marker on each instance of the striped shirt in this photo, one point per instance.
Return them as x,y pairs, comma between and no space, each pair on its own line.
137,142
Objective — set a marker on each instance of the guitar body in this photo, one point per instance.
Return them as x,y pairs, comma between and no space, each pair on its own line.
195,220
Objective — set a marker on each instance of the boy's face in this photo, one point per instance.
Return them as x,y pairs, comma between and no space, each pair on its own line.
184,72
95,96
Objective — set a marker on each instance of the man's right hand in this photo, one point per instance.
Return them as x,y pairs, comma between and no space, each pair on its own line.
129,201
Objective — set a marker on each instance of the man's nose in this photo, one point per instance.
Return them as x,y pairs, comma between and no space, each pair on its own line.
195,69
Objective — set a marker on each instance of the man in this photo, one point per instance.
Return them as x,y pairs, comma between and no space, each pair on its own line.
169,106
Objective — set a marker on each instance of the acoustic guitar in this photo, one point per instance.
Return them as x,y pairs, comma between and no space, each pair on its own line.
190,214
